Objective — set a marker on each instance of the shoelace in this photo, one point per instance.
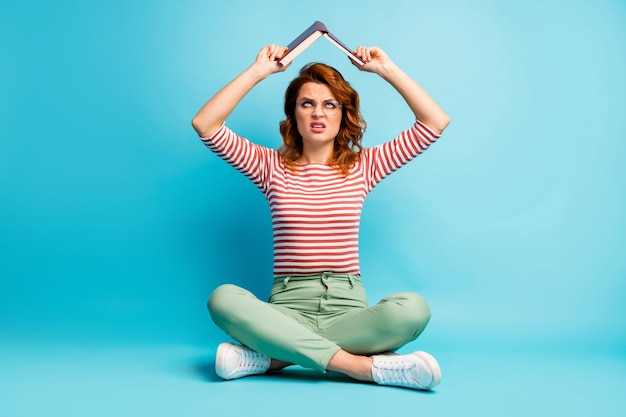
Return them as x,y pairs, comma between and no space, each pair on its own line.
396,371
252,360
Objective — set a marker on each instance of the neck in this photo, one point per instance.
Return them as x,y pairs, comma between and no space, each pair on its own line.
319,155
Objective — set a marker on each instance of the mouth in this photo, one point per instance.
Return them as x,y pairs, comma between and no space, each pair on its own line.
318,126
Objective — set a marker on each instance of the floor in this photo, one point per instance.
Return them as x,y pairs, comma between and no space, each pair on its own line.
179,380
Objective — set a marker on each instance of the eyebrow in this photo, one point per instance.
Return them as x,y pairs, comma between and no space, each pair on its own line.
312,99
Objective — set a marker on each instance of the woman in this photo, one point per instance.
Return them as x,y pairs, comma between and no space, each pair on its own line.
315,184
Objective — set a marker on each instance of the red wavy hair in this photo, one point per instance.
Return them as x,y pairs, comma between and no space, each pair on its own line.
348,140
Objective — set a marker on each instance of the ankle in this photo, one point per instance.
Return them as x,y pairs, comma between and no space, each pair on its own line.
355,366
277,365
366,372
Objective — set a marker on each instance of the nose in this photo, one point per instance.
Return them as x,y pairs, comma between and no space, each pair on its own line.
318,110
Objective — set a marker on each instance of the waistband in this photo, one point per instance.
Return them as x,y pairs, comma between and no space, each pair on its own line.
324,276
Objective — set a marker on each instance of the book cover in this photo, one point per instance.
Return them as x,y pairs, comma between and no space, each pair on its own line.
310,36
306,39
333,39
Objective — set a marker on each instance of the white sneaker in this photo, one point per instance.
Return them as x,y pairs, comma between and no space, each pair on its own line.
236,361
418,370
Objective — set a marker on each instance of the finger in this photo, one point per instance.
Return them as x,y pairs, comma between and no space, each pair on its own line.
282,50
368,53
376,52
271,52
361,52
277,52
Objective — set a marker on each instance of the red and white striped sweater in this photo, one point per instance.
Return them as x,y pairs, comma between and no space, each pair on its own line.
316,210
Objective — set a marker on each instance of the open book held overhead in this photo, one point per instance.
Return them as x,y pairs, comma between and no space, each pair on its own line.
308,37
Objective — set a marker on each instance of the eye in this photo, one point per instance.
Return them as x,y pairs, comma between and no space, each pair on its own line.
307,104
331,105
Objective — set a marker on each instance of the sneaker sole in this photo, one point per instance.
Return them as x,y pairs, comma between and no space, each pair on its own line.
433,365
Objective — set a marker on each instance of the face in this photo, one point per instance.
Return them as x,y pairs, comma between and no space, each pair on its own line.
318,115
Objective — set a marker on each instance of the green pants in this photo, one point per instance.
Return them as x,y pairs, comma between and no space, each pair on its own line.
309,318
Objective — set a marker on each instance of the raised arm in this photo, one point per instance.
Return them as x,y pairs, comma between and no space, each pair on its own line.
214,113
426,110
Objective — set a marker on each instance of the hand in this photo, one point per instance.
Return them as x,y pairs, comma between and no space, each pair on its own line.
268,57
375,59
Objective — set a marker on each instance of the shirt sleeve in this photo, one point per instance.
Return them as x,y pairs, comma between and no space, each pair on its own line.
381,160
252,160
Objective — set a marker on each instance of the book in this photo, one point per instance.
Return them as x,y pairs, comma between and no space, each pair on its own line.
306,39
335,41
309,37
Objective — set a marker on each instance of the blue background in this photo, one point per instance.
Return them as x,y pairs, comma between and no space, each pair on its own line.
116,222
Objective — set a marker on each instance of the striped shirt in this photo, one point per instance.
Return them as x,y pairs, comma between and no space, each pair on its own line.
316,210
